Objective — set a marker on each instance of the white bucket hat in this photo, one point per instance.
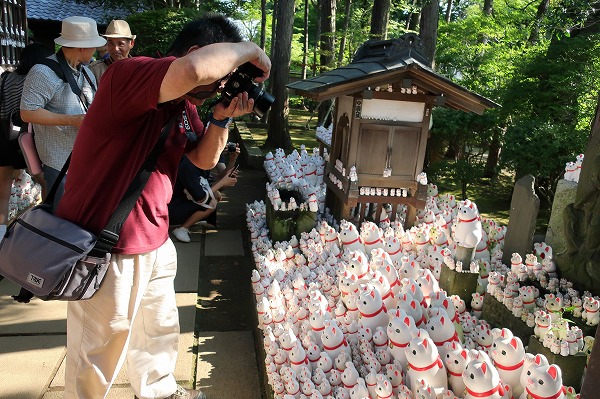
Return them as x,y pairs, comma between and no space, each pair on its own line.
119,29
79,32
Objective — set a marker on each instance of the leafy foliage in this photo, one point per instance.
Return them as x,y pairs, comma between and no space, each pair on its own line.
157,29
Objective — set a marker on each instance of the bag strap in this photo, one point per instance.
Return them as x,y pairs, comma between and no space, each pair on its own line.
62,69
110,234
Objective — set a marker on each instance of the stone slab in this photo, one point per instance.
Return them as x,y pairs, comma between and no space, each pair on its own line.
223,243
564,195
461,284
27,364
227,355
35,317
498,315
524,208
188,262
186,303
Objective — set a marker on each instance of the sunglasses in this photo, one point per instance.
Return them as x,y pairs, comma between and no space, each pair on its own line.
214,87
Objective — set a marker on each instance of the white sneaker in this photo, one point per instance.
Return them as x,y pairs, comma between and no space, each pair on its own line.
182,234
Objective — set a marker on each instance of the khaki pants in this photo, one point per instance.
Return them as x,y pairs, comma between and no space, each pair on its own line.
133,316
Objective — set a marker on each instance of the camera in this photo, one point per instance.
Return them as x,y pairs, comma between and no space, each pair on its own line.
231,147
242,80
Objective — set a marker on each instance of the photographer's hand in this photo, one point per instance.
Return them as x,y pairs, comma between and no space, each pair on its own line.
240,105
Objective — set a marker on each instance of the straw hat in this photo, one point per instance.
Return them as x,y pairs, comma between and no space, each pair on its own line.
79,32
119,28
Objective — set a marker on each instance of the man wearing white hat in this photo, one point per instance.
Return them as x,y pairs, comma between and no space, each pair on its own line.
119,42
49,103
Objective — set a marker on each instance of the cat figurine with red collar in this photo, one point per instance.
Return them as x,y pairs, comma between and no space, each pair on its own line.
481,378
390,272
350,237
325,363
359,391
400,330
373,312
372,236
317,321
428,284
456,361
358,264
424,362
412,288
545,382
393,247
350,376
384,388
298,358
424,391
412,308
408,268
333,340
468,230
508,356
441,330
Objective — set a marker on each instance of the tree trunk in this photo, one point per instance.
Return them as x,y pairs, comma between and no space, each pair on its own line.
379,19
493,156
274,25
428,29
305,53
412,23
263,23
278,133
535,30
347,9
449,10
317,6
327,50
488,7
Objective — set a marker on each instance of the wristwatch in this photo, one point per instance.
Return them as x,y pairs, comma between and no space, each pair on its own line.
223,123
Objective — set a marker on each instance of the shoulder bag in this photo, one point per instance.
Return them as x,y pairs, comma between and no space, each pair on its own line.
59,260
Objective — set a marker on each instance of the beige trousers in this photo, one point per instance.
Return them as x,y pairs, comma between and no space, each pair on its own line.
133,316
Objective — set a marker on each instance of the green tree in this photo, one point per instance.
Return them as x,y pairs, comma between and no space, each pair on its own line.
156,29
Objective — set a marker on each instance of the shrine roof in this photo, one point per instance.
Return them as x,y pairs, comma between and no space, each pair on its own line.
381,62
53,10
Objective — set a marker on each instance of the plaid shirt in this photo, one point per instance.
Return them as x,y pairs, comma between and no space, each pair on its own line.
44,89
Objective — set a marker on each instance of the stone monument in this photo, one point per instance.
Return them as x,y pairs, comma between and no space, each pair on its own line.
524,208
580,262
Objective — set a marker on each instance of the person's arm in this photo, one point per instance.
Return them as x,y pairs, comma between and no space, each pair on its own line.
42,116
205,65
226,181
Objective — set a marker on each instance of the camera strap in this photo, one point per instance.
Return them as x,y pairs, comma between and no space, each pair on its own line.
187,128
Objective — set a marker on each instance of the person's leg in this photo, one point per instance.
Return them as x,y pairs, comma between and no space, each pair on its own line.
196,217
6,178
152,351
99,329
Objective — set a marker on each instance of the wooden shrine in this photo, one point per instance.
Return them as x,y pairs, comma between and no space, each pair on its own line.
381,123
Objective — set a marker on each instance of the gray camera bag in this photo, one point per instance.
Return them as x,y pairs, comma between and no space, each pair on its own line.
59,260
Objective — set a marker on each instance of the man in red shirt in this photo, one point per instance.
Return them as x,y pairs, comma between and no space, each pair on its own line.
133,315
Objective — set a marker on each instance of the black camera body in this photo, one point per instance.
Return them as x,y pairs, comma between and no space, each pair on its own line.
242,81
231,146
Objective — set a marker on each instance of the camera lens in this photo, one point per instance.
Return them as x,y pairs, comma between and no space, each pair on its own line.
262,100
